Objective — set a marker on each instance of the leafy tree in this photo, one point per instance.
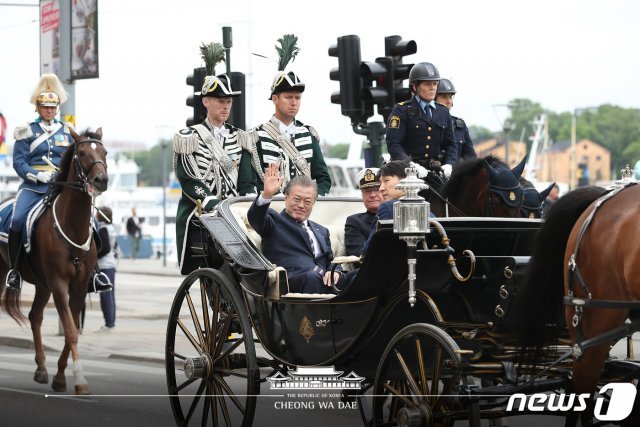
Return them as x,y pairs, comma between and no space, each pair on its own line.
480,133
150,163
339,151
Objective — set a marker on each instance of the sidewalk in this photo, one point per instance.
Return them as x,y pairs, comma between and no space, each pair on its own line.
144,293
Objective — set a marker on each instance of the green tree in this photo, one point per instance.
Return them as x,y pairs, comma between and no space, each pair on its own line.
339,151
523,112
480,133
150,163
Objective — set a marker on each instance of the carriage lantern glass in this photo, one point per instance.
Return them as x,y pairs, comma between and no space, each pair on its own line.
411,222
411,212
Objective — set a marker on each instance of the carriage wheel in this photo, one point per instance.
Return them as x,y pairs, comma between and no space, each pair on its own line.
416,375
210,353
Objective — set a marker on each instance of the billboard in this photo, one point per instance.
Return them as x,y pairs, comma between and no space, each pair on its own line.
50,37
84,39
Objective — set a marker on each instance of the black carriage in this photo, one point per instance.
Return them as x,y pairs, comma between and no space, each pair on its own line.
431,363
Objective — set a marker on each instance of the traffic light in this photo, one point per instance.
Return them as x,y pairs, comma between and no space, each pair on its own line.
396,48
347,50
238,114
383,93
199,112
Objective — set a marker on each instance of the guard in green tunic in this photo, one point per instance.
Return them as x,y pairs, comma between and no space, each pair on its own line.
283,140
208,158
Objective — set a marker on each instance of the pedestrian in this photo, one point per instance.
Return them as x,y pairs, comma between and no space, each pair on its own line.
284,140
444,95
134,231
419,129
37,152
208,159
107,265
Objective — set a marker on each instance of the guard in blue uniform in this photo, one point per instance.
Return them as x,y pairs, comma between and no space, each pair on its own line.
420,129
446,92
37,152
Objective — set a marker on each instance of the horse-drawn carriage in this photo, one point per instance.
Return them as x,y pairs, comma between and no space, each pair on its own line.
444,355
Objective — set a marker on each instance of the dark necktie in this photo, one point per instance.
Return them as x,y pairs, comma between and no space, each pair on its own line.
427,110
309,235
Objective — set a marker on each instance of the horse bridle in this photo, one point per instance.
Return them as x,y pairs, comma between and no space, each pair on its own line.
82,173
83,184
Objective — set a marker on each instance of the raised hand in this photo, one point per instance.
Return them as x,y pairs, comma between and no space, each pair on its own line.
272,181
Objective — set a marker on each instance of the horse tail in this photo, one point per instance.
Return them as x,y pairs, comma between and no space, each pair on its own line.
539,318
12,305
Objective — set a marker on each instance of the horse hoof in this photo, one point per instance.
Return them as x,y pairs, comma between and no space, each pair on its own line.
59,384
82,389
41,376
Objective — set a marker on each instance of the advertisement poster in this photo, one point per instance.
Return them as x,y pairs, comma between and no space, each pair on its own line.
84,39
50,37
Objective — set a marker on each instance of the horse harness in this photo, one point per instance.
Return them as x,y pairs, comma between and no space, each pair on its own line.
579,303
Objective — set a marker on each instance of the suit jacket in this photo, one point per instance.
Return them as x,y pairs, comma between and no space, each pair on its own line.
385,211
356,231
286,243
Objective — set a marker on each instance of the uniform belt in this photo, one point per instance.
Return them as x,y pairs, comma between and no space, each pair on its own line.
44,168
424,163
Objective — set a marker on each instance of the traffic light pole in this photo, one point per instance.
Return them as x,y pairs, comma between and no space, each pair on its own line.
374,131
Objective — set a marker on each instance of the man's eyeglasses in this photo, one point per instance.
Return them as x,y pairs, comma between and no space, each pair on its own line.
306,202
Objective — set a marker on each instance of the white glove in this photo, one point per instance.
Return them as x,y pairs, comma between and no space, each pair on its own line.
44,176
422,171
447,170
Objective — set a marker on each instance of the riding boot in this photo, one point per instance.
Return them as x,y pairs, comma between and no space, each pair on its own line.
99,282
14,280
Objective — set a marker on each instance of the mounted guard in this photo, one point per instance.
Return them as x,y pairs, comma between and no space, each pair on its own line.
208,156
36,155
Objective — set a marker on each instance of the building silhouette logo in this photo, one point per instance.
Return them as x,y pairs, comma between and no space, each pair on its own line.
321,377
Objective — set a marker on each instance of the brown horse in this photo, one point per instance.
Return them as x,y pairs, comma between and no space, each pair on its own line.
63,254
592,232
481,187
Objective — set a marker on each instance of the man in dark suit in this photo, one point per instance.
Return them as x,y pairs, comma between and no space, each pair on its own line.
358,226
289,239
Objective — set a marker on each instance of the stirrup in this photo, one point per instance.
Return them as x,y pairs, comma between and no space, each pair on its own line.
101,283
14,280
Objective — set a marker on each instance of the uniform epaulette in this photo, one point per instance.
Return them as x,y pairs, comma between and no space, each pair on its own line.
314,133
402,103
185,141
23,131
247,139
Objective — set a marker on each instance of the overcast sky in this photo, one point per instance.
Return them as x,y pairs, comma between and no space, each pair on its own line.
562,54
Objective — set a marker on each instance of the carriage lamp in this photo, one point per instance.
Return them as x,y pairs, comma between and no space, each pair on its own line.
411,221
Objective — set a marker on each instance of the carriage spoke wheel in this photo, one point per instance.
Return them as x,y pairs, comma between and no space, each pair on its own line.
210,357
418,371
